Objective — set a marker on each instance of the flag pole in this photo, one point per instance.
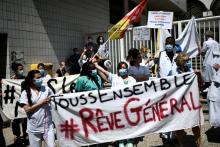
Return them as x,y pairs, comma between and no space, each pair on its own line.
157,49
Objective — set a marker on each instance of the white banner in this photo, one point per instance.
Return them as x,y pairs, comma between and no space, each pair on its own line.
159,105
11,91
189,39
160,19
141,33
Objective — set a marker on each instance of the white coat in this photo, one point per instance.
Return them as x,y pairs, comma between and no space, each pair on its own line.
214,99
214,89
166,67
212,49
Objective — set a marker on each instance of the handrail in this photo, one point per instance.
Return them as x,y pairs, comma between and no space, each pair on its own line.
197,19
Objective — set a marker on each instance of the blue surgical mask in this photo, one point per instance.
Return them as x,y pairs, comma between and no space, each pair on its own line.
20,73
94,72
42,71
123,72
169,47
188,65
38,82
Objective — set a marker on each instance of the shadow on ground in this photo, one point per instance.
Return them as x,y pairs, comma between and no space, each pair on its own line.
213,135
189,141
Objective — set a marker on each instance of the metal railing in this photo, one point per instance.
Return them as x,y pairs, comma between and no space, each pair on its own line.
119,48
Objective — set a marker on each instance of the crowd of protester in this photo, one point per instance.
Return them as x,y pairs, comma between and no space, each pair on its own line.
93,66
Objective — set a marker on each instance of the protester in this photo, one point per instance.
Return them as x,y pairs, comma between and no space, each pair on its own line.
72,61
18,73
167,58
35,101
62,70
140,73
167,67
211,50
129,57
89,79
43,71
83,59
184,65
146,58
103,50
214,93
119,79
91,48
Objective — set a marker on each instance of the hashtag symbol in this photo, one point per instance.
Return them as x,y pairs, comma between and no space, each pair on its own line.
9,94
69,129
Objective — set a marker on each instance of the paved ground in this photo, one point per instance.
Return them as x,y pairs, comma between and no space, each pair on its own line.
210,138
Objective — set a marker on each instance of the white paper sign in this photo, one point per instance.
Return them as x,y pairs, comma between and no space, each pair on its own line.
160,19
141,33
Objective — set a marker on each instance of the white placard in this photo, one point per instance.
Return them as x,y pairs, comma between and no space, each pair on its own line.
160,19
141,33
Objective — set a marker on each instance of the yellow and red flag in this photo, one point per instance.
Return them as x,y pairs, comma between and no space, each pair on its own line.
119,29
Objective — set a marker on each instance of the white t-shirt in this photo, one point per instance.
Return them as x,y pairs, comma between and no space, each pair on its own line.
149,65
41,119
116,80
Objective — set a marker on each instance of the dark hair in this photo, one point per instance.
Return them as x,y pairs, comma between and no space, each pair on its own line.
98,39
120,65
86,71
86,68
129,54
90,37
41,64
14,66
75,49
28,83
134,54
173,40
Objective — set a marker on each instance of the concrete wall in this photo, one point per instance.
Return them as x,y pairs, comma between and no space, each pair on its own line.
47,30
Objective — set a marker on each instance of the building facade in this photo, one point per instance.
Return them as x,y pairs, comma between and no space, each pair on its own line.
34,31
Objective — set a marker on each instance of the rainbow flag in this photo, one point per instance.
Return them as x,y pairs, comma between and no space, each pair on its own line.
119,29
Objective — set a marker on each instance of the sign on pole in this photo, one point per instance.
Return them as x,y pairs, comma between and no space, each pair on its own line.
160,19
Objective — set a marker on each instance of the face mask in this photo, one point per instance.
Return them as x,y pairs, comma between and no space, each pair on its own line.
169,47
188,65
94,73
20,73
38,82
42,71
123,72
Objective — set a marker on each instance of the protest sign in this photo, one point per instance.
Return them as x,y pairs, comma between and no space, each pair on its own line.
141,33
158,105
11,91
160,19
